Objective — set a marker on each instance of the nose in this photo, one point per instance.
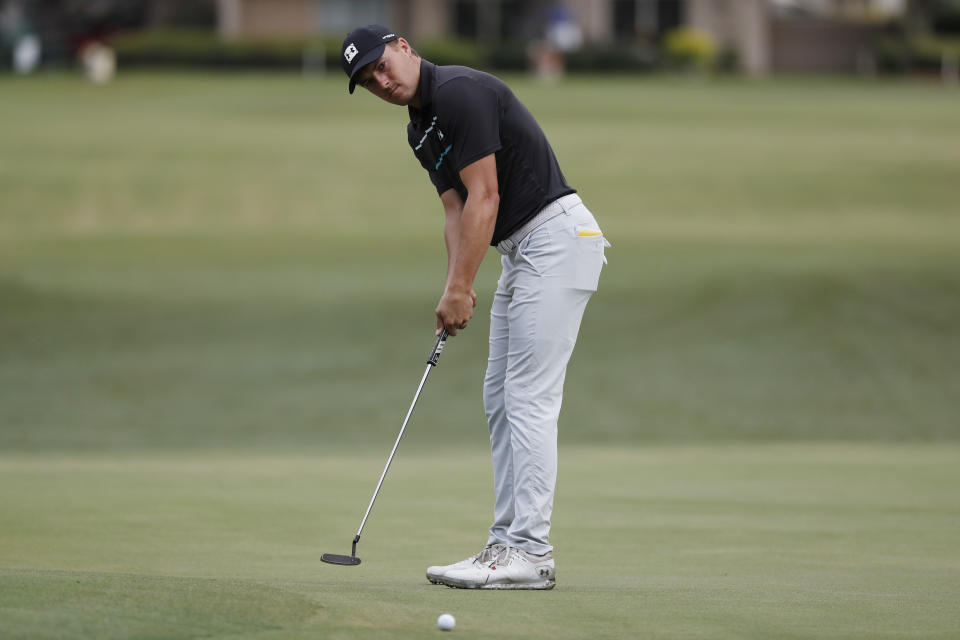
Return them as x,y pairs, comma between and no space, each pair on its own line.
381,79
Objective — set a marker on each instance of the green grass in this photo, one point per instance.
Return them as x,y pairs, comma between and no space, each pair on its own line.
199,261
216,299
844,541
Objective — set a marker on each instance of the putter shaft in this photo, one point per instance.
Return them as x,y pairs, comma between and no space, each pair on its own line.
431,362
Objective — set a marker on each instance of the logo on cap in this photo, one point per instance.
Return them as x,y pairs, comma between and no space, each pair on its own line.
350,52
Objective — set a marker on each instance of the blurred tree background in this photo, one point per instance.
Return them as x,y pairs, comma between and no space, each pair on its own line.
642,35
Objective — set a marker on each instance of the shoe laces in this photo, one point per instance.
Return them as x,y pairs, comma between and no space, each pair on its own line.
490,554
503,557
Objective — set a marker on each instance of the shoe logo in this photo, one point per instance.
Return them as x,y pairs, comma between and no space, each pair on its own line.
544,573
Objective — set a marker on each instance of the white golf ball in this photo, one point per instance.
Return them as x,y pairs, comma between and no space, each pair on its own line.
446,622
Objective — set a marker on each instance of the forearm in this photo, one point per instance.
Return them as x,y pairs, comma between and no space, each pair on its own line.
451,236
467,231
468,237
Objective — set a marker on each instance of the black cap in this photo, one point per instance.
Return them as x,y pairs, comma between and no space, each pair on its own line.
362,46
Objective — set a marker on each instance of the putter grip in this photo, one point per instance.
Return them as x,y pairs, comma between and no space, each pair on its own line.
437,349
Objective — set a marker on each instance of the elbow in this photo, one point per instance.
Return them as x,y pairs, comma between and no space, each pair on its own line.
489,201
484,203
490,210
493,203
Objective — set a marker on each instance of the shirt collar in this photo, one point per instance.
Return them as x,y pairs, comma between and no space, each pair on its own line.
428,73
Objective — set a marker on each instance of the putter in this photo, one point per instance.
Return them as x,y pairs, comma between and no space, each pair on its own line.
352,559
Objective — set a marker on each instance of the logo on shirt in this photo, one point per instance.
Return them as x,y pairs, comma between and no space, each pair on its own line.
443,155
350,52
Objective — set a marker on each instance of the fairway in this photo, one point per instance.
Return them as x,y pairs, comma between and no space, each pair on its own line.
216,300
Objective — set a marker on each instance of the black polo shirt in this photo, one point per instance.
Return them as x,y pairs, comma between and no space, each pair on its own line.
466,115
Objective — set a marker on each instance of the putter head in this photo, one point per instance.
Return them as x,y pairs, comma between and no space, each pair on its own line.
333,558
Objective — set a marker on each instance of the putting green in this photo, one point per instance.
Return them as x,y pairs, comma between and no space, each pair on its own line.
853,541
75,604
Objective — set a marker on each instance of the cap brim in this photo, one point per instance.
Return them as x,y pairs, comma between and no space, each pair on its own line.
365,59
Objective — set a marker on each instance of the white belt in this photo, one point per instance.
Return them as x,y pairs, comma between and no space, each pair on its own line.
509,244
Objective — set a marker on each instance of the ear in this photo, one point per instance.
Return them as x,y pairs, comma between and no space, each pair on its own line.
405,47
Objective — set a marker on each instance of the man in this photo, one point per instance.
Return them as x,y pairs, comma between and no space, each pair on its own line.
499,184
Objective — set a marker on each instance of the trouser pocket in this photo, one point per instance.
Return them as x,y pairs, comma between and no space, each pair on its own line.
590,258
567,252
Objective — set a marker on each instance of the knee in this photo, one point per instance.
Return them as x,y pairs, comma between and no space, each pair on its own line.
518,401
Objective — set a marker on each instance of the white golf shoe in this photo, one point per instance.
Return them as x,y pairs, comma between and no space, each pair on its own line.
511,569
490,552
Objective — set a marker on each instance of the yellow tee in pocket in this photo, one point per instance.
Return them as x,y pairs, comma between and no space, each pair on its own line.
587,232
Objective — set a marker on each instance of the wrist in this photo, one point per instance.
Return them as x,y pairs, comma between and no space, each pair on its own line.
458,288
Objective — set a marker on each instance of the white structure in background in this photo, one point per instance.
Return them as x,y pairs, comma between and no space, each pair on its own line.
563,30
15,28
840,7
26,54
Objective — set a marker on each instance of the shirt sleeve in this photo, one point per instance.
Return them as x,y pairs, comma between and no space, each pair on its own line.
469,115
441,183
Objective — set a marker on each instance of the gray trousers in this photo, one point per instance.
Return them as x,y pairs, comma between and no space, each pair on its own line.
546,282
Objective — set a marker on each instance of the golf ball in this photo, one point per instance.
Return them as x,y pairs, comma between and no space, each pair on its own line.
446,622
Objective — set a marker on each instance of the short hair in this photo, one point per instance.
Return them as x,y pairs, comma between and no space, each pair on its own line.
396,43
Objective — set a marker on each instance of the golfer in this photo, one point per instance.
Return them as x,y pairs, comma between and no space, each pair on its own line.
499,184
